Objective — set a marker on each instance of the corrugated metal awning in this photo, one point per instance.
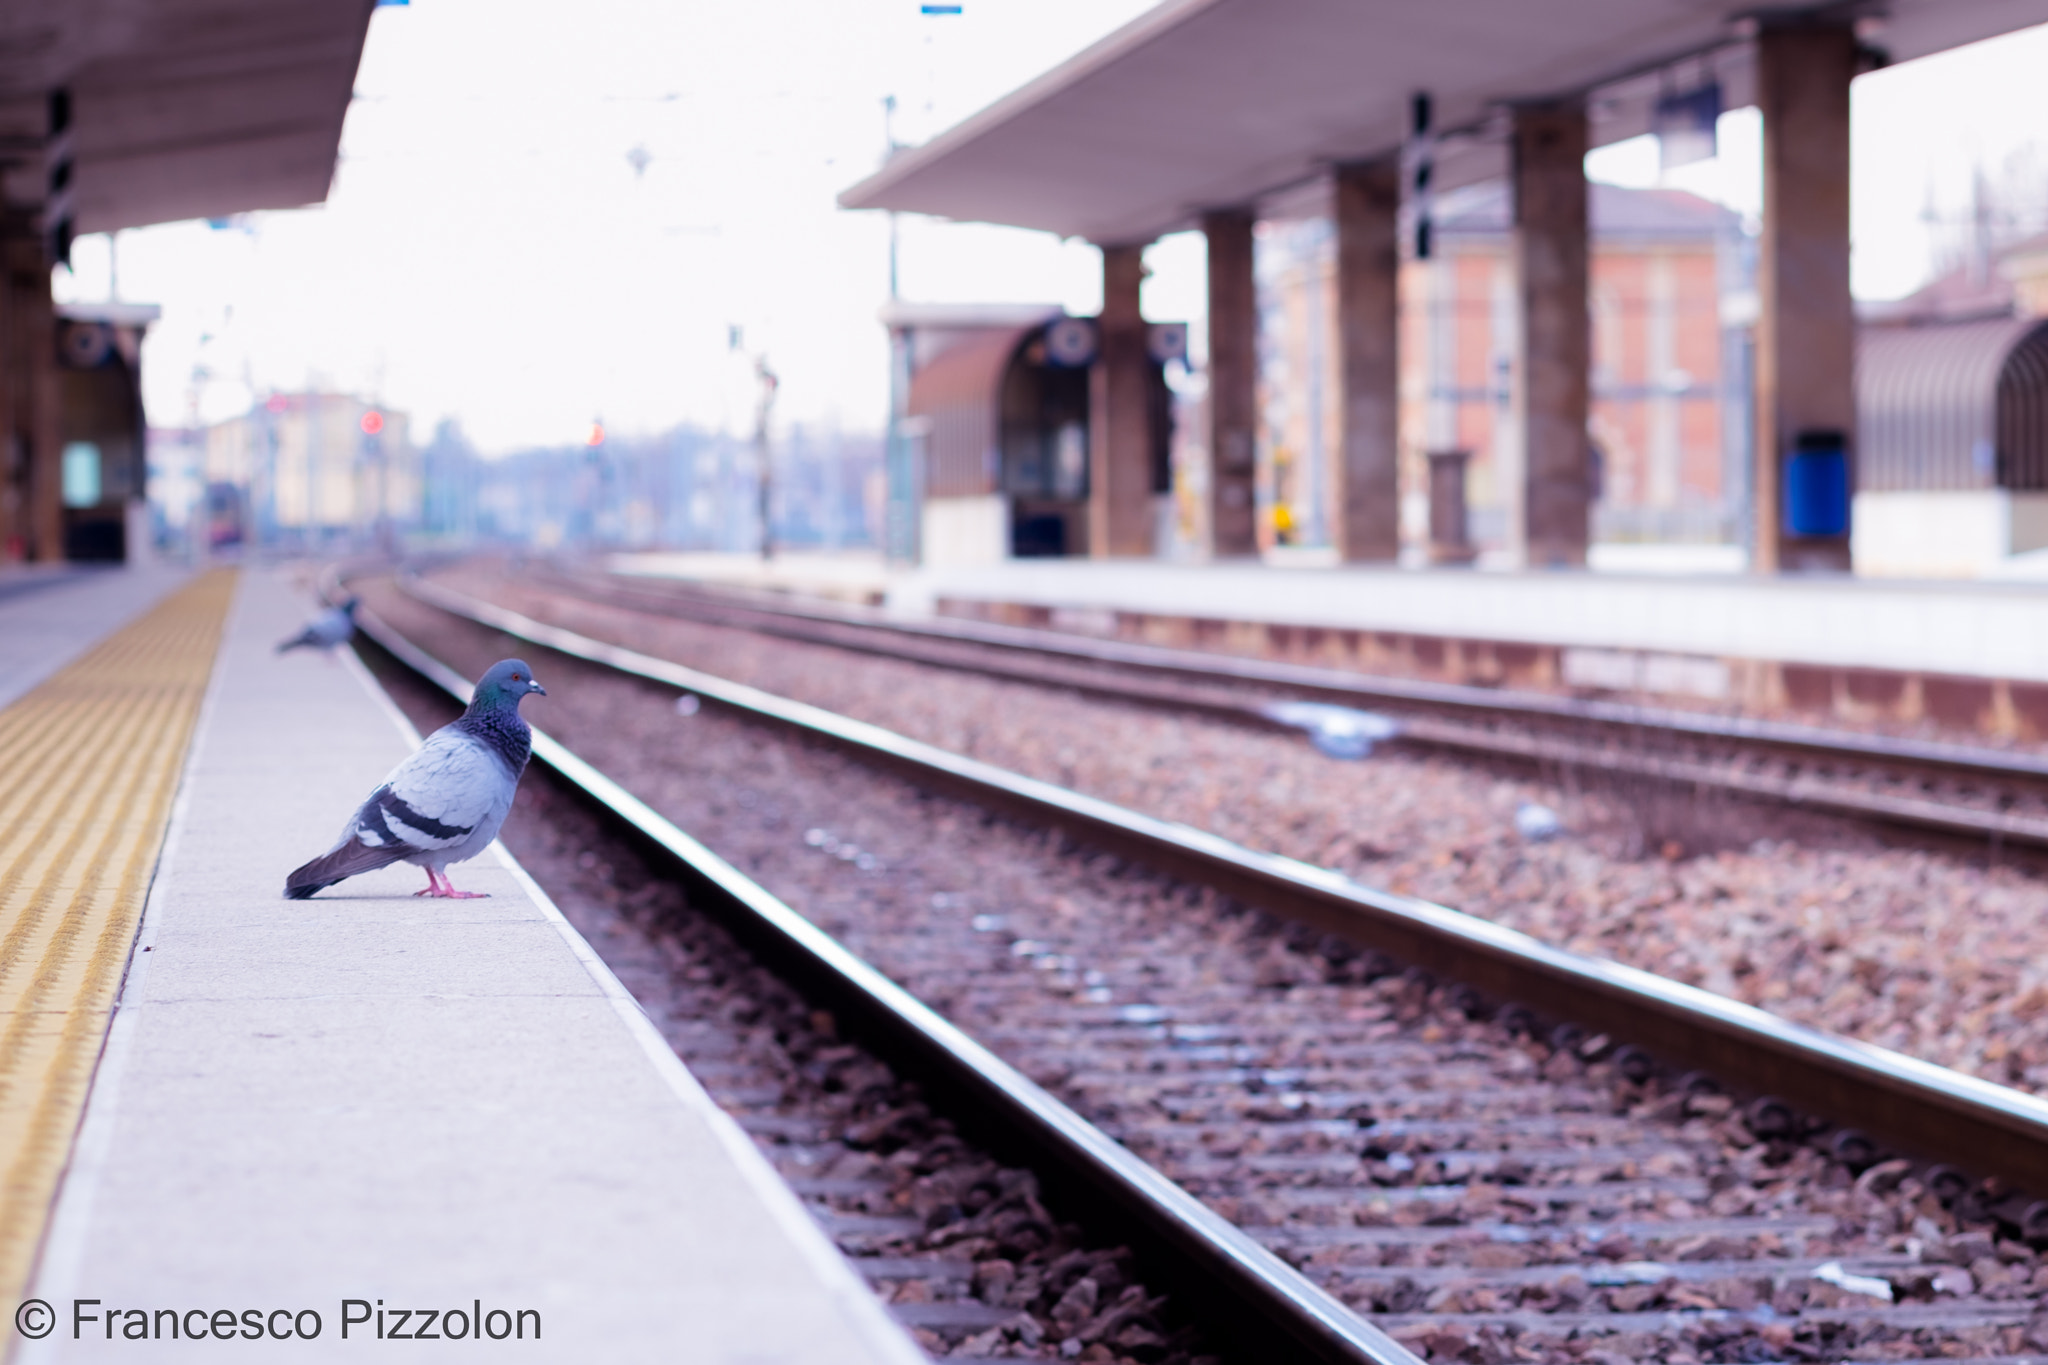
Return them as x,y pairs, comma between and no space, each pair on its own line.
960,393
2023,413
1928,399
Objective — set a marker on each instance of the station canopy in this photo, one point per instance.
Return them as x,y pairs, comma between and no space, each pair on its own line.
179,108
1204,104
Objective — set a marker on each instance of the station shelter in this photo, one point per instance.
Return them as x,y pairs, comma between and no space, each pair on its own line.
1392,109
1952,416
1001,417
178,110
102,431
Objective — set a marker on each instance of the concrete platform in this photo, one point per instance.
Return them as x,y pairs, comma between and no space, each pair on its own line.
427,1105
1982,630
48,617
1972,655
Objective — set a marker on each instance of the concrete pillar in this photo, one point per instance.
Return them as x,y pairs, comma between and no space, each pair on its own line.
14,501
1549,154
1806,319
45,431
31,484
1120,515
1367,526
1233,383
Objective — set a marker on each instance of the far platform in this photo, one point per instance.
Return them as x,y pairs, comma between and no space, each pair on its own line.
51,615
1963,654
421,1104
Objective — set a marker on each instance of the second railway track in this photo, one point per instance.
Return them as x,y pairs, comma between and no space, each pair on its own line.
1953,789
1490,1192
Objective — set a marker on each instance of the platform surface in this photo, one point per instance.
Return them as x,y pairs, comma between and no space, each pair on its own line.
436,1104
50,617
1976,629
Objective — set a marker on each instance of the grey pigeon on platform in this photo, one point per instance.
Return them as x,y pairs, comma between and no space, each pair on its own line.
332,627
445,803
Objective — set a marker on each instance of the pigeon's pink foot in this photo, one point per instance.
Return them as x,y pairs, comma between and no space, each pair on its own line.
441,888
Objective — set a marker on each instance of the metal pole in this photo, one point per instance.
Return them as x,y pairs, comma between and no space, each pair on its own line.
763,409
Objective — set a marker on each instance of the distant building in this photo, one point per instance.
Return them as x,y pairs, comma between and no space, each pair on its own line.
684,489
1669,431
2024,267
308,472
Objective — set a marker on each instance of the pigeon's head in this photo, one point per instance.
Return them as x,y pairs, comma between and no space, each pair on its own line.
505,683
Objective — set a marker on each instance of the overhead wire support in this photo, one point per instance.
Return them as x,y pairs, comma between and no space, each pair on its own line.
764,409
1421,159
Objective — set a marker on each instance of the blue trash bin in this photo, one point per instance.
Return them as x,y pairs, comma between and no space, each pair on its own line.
1816,501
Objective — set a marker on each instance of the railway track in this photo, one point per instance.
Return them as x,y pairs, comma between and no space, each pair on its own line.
922,1213
1486,1185
1250,1301
1954,789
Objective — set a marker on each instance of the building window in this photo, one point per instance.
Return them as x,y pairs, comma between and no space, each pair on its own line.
81,474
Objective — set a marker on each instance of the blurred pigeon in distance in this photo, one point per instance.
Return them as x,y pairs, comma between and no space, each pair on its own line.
332,627
1339,731
444,803
1537,822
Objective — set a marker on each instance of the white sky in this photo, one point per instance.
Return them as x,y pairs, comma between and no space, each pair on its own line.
488,252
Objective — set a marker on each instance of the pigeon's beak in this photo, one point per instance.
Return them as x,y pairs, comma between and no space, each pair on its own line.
536,687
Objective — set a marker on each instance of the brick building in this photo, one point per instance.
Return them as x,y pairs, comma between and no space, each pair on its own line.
1669,431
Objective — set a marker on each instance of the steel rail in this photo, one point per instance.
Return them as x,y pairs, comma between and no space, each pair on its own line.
1917,1107
1840,798
1246,1293
1336,684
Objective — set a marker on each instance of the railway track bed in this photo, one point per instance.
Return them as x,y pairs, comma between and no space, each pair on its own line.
1933,951
1488,1188
961,1245
1912,783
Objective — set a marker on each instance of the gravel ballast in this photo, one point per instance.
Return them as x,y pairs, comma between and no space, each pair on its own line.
969,1258
1487,1194
1926,950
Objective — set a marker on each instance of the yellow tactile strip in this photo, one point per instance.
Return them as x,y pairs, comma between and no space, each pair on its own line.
89,762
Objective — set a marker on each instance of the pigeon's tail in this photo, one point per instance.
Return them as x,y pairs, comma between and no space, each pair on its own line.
304,637
351,858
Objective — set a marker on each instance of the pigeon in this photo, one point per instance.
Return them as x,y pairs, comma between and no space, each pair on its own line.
443,804
330,628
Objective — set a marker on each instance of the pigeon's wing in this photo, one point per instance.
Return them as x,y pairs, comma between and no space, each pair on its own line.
333,628
433,800
438,796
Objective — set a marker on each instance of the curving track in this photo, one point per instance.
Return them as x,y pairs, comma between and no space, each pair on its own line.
1492,1190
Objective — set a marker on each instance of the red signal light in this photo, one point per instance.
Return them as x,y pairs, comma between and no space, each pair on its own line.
596,437
373,422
